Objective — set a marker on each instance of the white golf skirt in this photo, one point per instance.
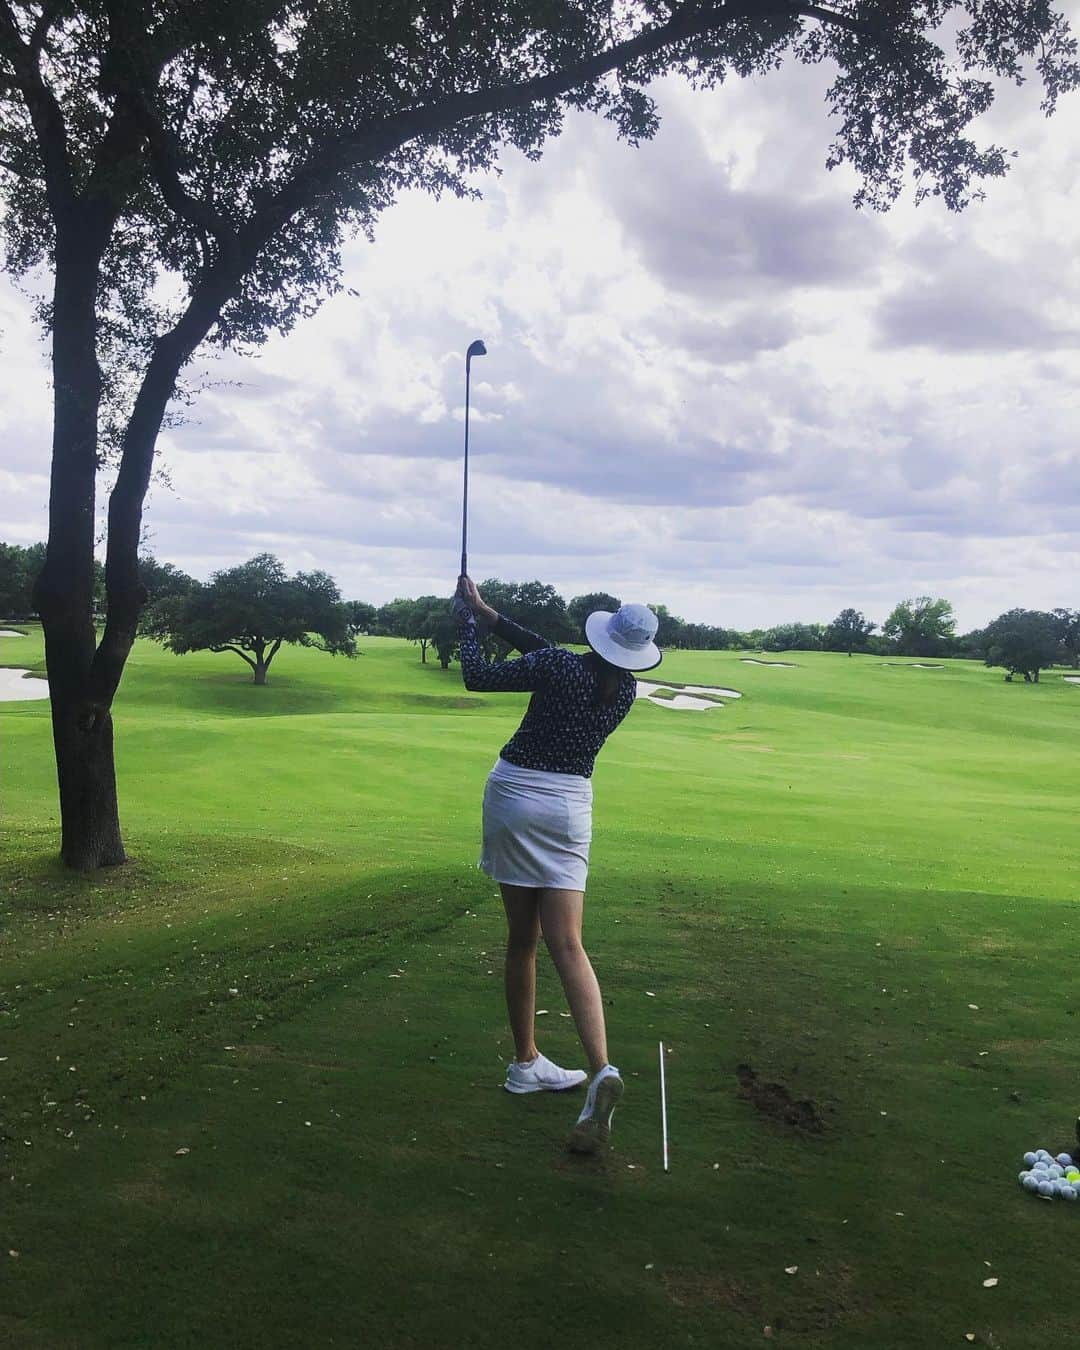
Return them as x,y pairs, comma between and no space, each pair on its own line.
537,827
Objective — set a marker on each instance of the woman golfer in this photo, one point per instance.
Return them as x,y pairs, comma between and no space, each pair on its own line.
538,825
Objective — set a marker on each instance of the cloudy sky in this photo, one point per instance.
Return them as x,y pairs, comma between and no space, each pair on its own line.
711,382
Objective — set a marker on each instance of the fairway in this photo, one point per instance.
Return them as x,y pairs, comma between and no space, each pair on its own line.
250,1084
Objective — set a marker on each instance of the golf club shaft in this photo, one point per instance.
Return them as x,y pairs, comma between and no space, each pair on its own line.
663,1105
465,489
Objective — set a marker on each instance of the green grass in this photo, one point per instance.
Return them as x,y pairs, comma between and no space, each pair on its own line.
298,980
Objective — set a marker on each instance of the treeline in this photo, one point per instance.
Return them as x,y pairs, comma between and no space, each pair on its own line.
253,608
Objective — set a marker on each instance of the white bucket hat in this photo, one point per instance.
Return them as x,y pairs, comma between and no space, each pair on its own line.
625,638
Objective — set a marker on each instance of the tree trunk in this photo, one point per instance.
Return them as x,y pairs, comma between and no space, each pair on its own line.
260,671
90,820
64,592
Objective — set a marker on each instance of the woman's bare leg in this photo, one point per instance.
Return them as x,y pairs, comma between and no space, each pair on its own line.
523,923
560,921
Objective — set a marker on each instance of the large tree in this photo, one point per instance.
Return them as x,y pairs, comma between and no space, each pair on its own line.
253,610
1024,641
187,169
921,627
849,631
581,606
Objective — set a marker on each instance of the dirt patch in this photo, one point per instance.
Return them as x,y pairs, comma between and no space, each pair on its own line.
818,1298
1023,1046
773,1099
717,1291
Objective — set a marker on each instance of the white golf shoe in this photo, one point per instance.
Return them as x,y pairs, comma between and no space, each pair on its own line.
593,1128
542,1076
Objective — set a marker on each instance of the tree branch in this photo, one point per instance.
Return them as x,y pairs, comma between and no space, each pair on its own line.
45,20
228,647
321,171
44,109
165,169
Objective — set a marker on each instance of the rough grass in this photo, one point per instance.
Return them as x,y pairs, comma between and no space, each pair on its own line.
297,980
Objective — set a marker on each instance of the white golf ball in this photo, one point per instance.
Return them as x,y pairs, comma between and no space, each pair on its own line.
1045,1188
1022,1176
1030,1182
1055,1171
1041,1168
1030,1160
1064,1159
1042,1154
1069,1194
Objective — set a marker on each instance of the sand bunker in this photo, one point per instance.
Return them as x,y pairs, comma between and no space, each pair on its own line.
910,665
1071,679
684,695
14,685
753,661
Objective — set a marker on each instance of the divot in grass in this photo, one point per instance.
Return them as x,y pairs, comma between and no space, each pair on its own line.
773,1099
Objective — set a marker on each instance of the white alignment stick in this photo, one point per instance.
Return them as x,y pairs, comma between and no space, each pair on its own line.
663,1104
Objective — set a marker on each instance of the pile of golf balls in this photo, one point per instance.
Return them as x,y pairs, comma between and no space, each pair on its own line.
1052,1178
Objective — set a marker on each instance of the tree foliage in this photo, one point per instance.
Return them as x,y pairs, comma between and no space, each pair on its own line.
581,606
1024,641
19,568
253,610
848,632
533,604
921,627
362,616
1067,628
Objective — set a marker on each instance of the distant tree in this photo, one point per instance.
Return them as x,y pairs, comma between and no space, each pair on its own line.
1024,641
421,621
19,568
669,630
968,646
252,610
920,627
362,617
533,604
579,609
444,636
1067,627
394,618
704,637
848,632
793,637
162,582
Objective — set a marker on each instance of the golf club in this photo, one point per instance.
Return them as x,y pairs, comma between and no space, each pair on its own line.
476,348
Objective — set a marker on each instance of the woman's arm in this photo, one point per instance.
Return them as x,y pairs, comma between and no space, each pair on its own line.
522,638
519,676
511,633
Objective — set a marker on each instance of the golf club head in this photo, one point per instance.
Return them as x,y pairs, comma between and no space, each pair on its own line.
476,348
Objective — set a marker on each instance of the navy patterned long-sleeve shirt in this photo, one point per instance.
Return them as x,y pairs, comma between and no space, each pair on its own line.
565,724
